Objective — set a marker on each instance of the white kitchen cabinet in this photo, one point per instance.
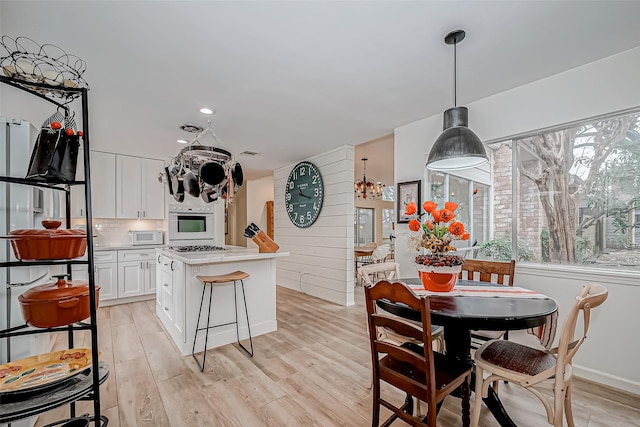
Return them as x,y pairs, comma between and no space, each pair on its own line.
150,281
170,296
103,186
106,275
131,275
79,272
105,271
136,273
139,194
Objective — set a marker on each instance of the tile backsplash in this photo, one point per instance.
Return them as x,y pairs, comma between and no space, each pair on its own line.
116,232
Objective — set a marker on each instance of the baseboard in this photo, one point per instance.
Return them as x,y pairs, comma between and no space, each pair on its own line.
336,297
612,393
127,300
608,381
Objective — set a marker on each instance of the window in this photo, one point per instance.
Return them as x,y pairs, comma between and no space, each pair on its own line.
387,224
363,226
389,194
473,203
577,190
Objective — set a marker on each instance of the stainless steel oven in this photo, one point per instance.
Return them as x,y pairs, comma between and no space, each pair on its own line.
191,225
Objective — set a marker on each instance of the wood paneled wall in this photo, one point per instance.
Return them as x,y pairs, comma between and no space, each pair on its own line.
321,260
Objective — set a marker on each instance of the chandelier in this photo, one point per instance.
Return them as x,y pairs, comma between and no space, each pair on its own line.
367,188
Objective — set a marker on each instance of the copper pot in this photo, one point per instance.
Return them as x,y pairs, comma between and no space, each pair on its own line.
57,304
49,243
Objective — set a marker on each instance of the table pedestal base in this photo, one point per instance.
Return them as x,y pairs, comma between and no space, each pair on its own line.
458,344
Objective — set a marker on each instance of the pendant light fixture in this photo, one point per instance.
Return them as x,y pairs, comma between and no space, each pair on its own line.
366,188
457,147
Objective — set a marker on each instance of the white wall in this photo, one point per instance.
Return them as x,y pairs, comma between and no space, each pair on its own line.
321,260
604,86
259,192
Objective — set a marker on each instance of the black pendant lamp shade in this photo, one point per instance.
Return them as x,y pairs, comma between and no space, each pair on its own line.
457,147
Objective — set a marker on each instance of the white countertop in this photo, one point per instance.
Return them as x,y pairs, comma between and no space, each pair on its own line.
107,247
232,253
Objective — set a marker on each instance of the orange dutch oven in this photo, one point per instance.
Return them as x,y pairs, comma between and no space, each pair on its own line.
31,244
57,304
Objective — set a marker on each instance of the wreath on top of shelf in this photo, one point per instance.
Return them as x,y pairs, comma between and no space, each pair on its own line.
30,62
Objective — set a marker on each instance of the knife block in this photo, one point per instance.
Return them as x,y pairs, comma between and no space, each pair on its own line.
264,242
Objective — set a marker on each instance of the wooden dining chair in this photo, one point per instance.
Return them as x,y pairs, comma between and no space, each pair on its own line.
412,367
500,272
372,273
380,253
530,367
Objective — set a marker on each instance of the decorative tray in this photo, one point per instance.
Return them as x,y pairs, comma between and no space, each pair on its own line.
37,373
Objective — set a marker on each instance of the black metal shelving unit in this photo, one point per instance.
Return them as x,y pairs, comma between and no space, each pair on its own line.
85,386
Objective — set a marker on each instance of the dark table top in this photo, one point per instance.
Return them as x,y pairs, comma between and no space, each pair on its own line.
473,312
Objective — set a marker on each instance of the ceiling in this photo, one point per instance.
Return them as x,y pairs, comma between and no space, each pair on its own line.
294,79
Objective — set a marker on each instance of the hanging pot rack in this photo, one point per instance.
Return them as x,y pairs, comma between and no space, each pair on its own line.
194,155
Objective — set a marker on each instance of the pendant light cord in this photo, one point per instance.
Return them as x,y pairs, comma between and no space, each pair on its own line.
455,75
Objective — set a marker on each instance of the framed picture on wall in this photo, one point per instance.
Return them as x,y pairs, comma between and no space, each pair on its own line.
407,192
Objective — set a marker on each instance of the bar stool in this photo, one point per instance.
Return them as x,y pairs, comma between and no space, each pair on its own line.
211,280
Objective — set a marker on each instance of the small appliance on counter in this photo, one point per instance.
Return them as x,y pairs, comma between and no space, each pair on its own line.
146,237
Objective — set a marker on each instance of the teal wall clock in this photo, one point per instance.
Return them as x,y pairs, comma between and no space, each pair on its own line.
304,194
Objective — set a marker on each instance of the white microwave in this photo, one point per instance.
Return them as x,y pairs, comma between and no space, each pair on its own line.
146,237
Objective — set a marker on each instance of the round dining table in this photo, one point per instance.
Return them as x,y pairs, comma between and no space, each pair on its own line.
459,315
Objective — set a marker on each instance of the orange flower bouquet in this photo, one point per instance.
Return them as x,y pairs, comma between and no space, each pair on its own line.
436,233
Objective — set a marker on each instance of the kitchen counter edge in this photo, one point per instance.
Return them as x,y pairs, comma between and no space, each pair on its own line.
97,248
235,254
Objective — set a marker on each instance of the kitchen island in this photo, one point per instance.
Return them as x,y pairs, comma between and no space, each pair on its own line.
178,294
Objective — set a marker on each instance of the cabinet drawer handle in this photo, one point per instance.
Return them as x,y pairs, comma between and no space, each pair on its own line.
165,285
172,266
158,259
166,309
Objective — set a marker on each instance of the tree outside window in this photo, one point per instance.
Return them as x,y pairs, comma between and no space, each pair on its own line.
577,192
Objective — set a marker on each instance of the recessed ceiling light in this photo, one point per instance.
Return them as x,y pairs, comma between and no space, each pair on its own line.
182,141
206,110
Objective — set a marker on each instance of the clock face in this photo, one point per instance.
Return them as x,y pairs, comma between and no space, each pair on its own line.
303,194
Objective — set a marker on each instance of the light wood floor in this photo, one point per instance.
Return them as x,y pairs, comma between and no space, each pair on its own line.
314,371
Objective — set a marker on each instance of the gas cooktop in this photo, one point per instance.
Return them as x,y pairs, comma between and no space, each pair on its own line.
197,248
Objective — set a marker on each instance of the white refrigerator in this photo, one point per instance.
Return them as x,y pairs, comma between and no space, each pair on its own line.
20,207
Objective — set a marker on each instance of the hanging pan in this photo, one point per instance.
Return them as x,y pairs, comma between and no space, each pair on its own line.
190,180
209,193
211,172
237,175
191,184
178,188
169,180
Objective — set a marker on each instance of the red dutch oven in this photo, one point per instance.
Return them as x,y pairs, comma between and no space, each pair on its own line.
57,304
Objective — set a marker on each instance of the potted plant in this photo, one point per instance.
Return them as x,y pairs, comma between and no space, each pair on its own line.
436,230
